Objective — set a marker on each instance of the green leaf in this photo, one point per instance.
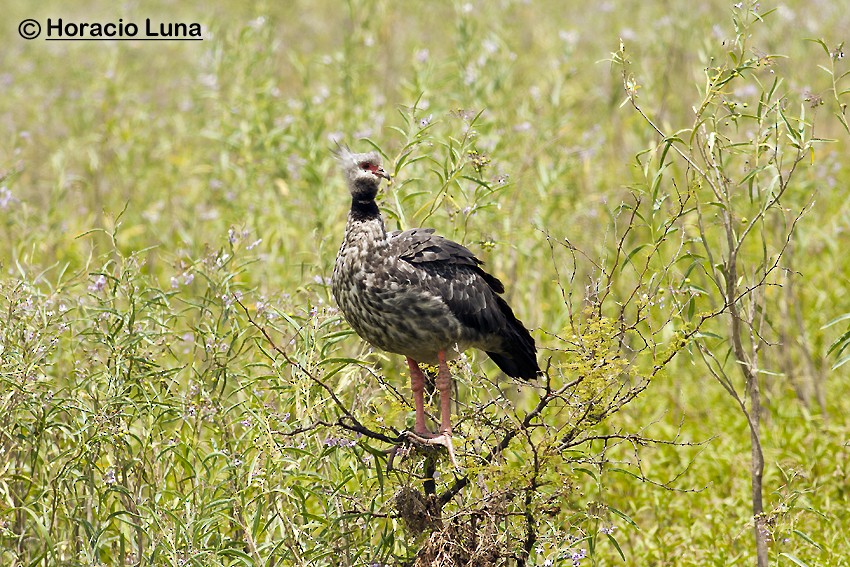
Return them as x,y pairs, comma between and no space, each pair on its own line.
616,546
634,251
794,559
659,175
588,472
840,343
843,360
624,517
837,320
822,43
807,539
625,472
341,360
707,334
237,554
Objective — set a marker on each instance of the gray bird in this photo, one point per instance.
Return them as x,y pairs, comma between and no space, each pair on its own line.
418,294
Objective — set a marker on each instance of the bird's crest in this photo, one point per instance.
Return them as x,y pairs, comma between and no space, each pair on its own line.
342,152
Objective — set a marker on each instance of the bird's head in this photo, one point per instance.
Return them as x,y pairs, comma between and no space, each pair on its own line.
362,172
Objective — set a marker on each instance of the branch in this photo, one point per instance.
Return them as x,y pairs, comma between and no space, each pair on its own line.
347,420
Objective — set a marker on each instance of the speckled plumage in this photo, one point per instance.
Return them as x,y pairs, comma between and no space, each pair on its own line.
416,293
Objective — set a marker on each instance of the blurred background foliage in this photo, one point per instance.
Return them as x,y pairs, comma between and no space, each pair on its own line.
146,186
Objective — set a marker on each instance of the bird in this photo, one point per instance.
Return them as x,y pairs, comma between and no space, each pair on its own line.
420,295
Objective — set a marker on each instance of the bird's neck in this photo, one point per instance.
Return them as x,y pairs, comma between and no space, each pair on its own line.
365,219
365,210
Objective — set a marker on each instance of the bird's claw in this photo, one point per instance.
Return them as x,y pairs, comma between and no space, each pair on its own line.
444,439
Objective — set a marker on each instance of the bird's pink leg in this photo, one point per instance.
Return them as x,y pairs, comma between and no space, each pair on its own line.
444,384
417,384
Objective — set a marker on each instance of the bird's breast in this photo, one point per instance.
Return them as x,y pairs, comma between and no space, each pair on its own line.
388,306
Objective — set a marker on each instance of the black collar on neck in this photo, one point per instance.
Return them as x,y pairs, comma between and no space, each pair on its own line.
364,210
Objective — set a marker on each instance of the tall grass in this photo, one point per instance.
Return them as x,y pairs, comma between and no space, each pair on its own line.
174,376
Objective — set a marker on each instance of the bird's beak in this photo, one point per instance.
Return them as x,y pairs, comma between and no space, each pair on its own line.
381,173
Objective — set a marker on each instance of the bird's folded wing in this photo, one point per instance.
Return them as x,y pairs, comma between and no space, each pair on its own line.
421,245
452,272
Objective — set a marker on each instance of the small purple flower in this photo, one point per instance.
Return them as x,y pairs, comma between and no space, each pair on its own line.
99,283
294,165
569,37
5,197
577,556
27,305
230,298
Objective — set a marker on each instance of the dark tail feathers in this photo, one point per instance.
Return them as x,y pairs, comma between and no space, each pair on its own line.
519,357
524,367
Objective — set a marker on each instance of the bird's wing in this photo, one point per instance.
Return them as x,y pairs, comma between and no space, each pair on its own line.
452,272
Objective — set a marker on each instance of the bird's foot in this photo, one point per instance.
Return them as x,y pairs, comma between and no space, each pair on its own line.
444,439
421,439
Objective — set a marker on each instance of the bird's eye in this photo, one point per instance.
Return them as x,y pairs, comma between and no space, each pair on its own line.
364,165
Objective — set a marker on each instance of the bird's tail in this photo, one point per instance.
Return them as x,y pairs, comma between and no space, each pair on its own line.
518,357
524,367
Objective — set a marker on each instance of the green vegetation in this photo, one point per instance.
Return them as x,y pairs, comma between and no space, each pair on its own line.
659,184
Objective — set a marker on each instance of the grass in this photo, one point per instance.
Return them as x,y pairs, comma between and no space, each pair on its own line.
156,195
